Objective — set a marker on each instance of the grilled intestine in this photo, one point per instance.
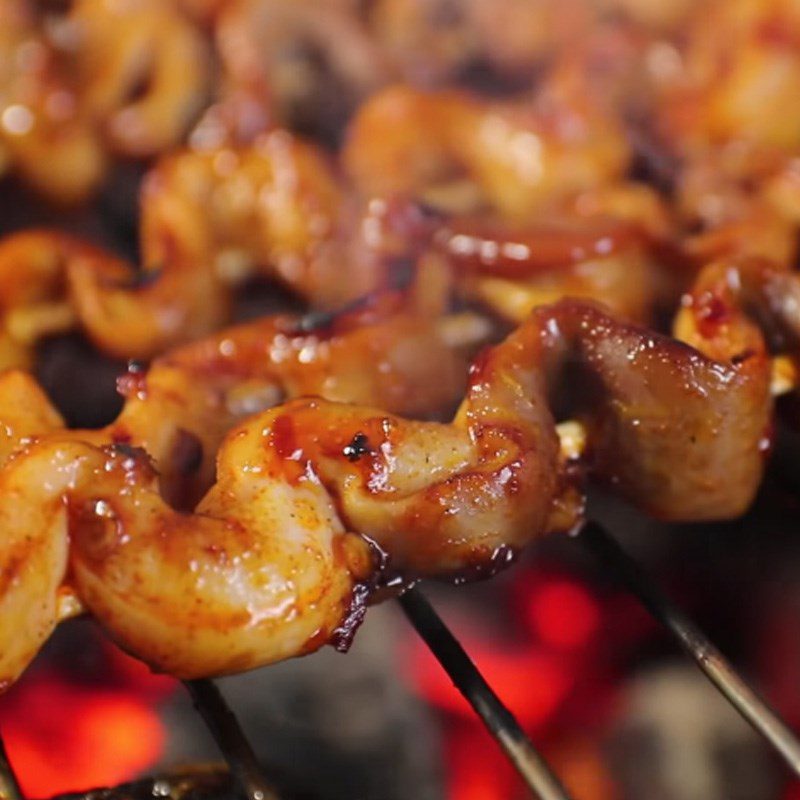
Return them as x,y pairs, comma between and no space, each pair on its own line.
214,216
264,482
210,220
105,79
273,560
387,351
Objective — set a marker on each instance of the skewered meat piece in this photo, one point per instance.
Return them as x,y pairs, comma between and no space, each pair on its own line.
210,220
45,135
740,76
439,42
388,352
275,206
141,68
53,282
492,169
513,269
274,556
308,63
465,154
105,78
385,352
743,314
739,307
213,218
32,289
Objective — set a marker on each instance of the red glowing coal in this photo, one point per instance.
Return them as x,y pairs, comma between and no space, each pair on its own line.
63,735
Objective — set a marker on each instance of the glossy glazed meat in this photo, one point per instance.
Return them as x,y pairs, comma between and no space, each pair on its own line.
308,494
100,80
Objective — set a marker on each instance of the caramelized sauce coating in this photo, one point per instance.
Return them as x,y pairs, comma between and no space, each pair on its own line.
45,134
53,282
513,269
105,78
266,561
210,220
386,352
625,152
467,154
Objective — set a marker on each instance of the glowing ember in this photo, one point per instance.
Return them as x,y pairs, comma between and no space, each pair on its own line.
531,683
477,769
551,674
64,737
563,614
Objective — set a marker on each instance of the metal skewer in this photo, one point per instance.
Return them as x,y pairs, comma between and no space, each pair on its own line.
710,660
9,785
500,722
231,740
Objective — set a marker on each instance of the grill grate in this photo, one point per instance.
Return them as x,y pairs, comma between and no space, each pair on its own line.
499,721
714,665
230,739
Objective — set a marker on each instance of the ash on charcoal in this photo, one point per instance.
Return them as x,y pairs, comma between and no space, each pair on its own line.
679,739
